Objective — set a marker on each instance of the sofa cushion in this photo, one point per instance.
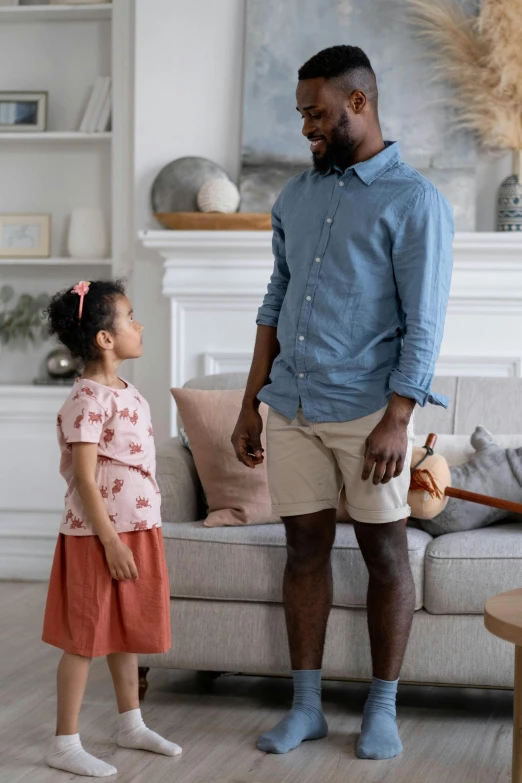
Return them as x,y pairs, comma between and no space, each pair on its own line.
470,402
492,402
463,570
223,380
247,563
235,495
178,482
219,382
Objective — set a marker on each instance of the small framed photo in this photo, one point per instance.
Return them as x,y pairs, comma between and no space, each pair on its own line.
23,111
25,236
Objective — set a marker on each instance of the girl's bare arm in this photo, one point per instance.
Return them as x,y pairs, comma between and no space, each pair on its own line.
119,557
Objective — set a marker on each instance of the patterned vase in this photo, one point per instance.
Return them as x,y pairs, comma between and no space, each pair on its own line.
509,204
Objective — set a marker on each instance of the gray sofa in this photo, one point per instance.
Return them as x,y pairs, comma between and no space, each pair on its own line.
226,608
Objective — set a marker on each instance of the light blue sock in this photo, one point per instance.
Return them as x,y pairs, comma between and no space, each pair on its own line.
305,721
379,734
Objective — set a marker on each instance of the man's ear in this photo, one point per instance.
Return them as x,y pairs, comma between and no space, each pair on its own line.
358,101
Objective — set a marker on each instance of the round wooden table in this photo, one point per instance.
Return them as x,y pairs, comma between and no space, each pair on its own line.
503,618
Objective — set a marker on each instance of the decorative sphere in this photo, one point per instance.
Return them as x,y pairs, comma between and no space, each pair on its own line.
218,195
60,364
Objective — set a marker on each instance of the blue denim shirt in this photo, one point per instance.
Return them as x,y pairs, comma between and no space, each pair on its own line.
359,291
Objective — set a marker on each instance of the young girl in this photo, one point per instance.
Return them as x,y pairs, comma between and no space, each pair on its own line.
109,590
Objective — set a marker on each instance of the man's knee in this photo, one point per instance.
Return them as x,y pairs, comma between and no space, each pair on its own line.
390,568
385,550
309,541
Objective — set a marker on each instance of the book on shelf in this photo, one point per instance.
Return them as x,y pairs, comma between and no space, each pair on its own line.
88,115
97,114
105,113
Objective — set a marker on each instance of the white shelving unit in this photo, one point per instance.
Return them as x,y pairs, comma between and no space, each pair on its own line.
53,136
56,262
55,13
59,169
62,50
54,171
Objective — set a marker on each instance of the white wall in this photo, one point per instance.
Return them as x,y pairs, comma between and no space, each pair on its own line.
188,99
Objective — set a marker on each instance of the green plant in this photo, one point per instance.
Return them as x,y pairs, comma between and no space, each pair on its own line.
23,320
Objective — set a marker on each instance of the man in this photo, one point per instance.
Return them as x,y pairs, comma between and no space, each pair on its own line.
346,345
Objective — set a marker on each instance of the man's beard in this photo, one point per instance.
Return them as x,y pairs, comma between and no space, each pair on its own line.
339,149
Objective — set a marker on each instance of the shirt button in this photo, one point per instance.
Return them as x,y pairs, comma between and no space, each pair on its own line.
329,220
318,260
341,184
301,374
301,337
308,298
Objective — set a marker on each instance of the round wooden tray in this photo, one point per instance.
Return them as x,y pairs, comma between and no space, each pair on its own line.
215,221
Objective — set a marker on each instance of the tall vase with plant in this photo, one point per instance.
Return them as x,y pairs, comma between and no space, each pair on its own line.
481,57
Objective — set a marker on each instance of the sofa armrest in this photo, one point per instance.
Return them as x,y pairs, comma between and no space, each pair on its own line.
178,481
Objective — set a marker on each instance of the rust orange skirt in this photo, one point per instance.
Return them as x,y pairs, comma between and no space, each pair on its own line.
89,613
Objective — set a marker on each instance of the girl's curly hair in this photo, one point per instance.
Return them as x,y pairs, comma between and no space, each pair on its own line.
99,314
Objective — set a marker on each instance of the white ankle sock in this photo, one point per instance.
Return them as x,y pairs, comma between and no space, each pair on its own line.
67,753
134,734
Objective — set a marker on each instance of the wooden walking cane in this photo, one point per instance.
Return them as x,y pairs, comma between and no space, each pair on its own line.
425,482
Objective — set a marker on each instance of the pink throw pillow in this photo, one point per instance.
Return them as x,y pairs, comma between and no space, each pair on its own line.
236,495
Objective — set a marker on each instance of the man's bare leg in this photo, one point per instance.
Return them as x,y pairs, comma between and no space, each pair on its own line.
391,604
307,598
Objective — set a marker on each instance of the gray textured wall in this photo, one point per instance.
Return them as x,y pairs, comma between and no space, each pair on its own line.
282,34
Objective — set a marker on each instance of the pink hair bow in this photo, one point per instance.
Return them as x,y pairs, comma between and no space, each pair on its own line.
81,288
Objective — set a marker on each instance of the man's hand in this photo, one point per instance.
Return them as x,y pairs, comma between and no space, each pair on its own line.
246,437
387,444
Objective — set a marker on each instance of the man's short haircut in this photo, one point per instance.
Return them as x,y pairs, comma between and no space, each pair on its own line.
347,64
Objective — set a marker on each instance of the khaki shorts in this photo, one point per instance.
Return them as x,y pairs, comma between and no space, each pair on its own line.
308,464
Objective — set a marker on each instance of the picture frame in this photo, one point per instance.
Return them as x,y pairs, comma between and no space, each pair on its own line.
25,236
24,112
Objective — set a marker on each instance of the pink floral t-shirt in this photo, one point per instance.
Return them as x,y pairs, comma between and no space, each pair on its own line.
118,420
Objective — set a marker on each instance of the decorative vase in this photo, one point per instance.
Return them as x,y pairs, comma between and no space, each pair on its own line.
87,234
509,204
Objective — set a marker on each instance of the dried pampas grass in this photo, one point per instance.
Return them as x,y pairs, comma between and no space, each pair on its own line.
481,57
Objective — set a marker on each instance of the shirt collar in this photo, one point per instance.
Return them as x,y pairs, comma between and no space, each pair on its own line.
369,170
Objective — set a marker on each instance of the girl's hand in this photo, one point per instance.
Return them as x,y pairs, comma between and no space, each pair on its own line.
120,560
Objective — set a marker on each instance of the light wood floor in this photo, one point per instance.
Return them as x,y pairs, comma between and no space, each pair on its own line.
449,735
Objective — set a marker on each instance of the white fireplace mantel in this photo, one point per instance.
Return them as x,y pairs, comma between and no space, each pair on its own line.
486,264
216,280
236,243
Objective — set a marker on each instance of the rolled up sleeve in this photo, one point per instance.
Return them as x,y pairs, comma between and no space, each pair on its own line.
268,313
422,261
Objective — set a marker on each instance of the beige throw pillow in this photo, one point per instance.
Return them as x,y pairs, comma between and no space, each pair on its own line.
236,495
